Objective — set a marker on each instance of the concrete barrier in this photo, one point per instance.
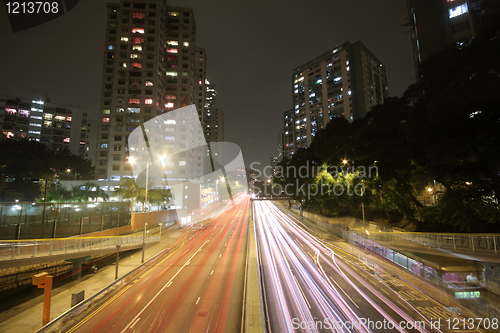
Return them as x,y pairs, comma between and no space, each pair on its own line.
252,308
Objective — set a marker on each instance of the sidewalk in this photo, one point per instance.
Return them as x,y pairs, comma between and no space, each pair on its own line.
27,316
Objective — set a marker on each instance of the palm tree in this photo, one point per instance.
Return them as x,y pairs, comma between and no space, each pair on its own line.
79,194
130,190
59,194
159,196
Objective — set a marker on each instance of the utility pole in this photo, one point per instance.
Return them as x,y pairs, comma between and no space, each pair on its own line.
144,242
117,260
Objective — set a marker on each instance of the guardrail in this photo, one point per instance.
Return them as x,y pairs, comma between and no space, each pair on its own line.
72,315
17,249
342,227
464,242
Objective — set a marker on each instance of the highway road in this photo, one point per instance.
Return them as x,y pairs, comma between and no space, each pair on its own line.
311,286
196,287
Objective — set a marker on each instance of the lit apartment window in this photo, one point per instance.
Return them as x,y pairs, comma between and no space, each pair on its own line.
148,101
134,101
105,120
138,30
137,40
136,48
172,42
149,83
124,39
138,15
172,50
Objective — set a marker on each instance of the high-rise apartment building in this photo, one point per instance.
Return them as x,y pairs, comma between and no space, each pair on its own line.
213,119
201,72
58,126
346,81
150,67
280,145
435,24
288,133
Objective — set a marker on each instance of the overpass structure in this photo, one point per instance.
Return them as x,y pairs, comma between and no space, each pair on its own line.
75,249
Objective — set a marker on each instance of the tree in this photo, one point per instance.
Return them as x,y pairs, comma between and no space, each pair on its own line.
130,190
25,164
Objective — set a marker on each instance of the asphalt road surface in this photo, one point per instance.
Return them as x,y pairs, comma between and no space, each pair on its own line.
196,287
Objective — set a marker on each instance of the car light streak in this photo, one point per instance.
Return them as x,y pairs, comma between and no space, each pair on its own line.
297,286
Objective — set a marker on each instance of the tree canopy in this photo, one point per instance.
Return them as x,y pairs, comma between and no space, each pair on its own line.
24,163
444,129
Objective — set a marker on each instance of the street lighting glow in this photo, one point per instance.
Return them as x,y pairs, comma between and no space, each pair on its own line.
132,159
344,161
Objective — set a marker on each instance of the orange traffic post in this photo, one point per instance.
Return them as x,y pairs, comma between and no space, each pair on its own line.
44,280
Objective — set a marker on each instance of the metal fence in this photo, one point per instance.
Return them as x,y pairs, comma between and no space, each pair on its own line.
50,220
44,247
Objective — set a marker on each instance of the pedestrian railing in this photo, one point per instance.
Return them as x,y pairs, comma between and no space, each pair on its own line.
451,241
344,227
18,249
74,315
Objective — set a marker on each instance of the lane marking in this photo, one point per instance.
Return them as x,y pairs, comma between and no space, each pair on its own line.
99,309
135,322
168,284
212,273
303,295
197,300
220,255
159,292
343,291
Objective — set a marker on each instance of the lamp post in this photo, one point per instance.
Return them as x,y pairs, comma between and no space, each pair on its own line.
144,211
132,160
430,190
69,170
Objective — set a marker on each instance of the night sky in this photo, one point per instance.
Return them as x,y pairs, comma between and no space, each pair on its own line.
252,48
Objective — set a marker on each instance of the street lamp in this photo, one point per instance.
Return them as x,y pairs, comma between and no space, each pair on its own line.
69,170
132,160
344,161
431,193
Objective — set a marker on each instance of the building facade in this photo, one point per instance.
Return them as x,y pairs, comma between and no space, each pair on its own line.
59,126
346,81
213,118
149,68
436,24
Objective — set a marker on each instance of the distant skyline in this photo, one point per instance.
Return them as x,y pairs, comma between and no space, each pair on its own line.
252,48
